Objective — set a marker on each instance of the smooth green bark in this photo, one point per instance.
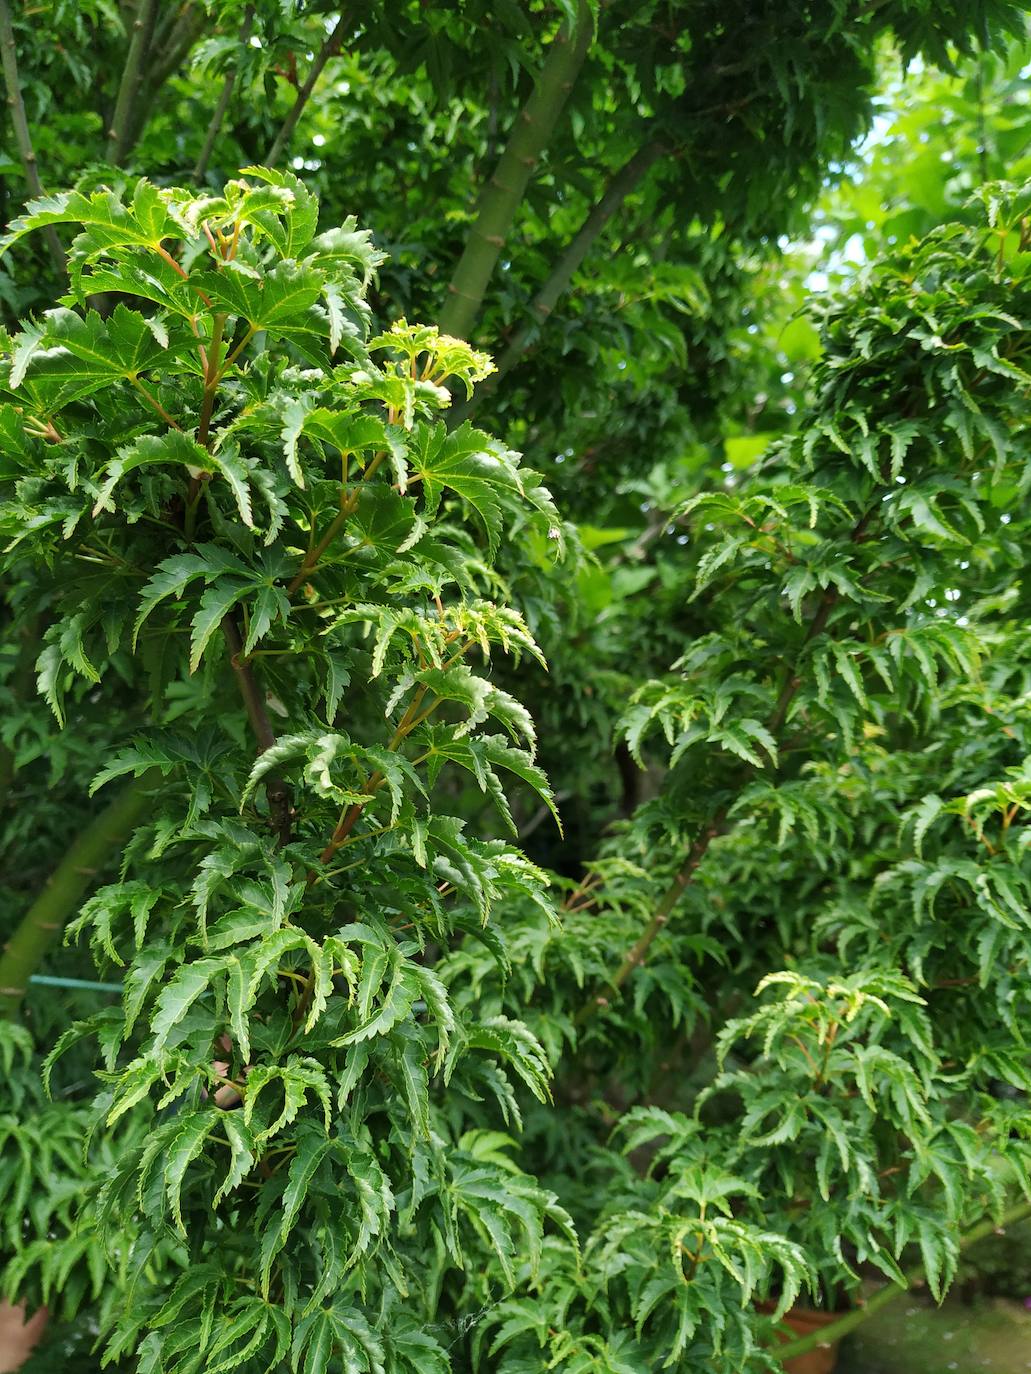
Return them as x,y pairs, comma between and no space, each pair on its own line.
620,186
45,919
503,194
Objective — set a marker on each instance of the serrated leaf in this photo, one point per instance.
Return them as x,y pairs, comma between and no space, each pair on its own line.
216,603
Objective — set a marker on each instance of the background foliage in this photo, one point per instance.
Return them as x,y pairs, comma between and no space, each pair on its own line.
403,1075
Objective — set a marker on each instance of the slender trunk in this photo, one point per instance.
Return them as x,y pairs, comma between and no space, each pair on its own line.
118,135
46,918
534,126
328,50
621,184
204,157
19,120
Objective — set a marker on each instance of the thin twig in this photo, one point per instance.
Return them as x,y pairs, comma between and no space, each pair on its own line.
211,379
328,50
201,166
254,703
685,874
406,725
348,505
155,404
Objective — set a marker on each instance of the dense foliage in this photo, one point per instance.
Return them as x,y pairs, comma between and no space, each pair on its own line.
419,1064
281,510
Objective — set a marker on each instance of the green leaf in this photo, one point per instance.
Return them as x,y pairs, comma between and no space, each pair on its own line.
176,999
469,463
291,225
481,756
109,222
181,451
278,299
312,1149
183,1148
216,603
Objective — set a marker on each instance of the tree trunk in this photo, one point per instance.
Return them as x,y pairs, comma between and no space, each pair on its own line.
46,918
503,194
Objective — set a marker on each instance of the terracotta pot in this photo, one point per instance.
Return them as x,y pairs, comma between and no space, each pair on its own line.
803,1321
19,1335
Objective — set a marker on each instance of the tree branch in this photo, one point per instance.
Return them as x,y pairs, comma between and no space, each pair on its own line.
74,875
168,56
170,42
219,114
328,50
275,788
620,185
22,136
684,876
503,194
828,1335
639,951
118,135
